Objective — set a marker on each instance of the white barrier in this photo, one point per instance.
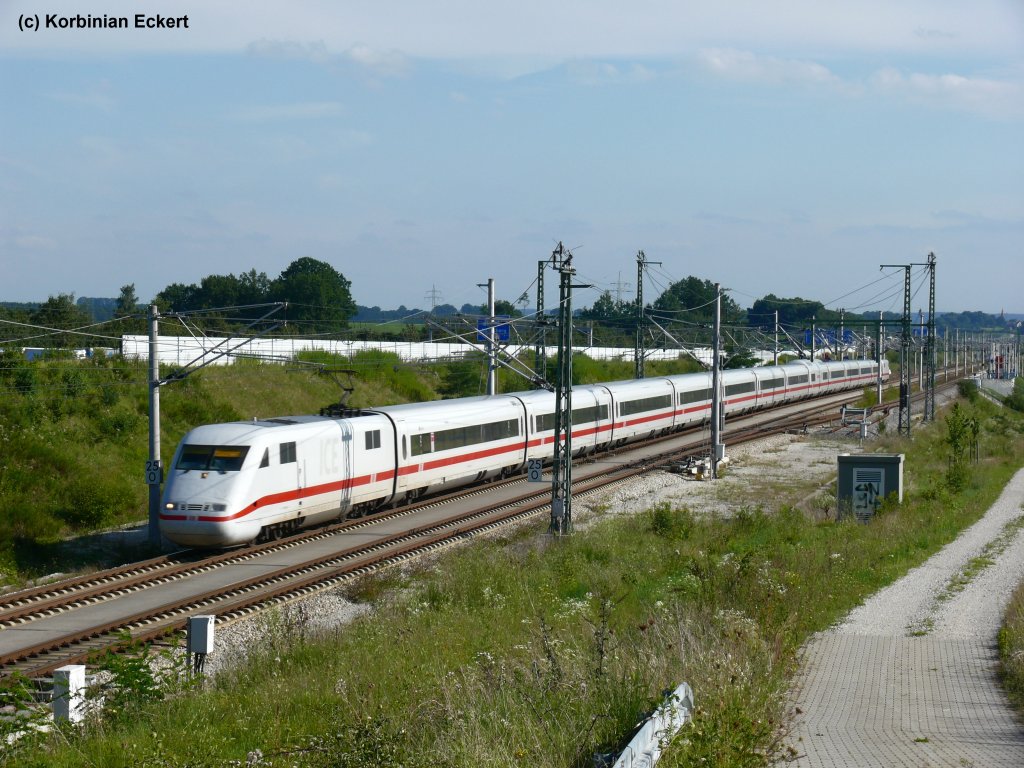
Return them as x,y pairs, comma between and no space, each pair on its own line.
182,350
646,747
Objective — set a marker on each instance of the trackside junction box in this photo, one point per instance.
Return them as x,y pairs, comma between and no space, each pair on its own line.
865,479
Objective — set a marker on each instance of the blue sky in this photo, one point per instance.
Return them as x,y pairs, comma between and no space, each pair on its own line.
788,147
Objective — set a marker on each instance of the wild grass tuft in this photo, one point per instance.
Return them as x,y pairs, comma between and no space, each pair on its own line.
1011,649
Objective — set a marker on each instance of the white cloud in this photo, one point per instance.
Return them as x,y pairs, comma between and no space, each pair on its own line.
387,63
308,110
591,72
315,51
96,97
35,242
994,98
744,66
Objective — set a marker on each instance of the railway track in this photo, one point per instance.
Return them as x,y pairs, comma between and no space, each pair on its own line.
67,622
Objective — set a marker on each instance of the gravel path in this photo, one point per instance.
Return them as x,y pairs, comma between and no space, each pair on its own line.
909,678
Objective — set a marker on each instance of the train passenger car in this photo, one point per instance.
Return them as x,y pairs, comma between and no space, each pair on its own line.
771,385
592,423
739,391
798,380
693,398
448,443
642,408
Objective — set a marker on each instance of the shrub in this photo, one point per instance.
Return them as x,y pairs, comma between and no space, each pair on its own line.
95,502
968,389
670,523
1016,398
962,435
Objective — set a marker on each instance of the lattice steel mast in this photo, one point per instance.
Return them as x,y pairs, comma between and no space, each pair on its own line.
905,343
929,379
561,481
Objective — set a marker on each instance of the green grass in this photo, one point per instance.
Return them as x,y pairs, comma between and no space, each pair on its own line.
534,651
1011,650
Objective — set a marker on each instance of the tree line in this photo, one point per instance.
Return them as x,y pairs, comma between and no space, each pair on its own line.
319,301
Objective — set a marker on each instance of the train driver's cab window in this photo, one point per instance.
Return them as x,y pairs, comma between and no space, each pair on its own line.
265,462
288,453
219,458
373,439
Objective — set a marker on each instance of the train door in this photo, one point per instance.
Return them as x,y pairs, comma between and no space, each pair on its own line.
336,462
345,467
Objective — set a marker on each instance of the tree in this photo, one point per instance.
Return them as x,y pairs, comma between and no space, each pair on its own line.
693,301
177,297
61,312
610,312
793,313
319,297
253,287
127,302
445,310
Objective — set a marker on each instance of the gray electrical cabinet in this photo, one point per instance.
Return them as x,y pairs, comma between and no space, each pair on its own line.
865,479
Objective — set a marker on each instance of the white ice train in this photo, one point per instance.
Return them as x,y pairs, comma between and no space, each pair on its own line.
232,483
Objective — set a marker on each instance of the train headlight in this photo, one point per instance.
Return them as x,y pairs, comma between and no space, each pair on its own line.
169,505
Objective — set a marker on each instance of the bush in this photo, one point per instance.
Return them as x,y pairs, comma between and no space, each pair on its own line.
670,523
968,389
1016,398
95,502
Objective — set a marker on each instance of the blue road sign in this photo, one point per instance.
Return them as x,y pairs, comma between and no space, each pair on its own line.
502,328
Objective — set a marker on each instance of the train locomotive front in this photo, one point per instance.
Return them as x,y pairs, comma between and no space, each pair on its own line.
231,483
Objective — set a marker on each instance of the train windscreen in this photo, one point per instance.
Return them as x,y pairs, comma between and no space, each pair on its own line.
219,458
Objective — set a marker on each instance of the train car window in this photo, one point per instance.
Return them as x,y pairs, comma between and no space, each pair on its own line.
739,389
590,415
696,396
222,458
288,453
772,384
419,444
373,439
459,437
630,407
265,461
801,379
